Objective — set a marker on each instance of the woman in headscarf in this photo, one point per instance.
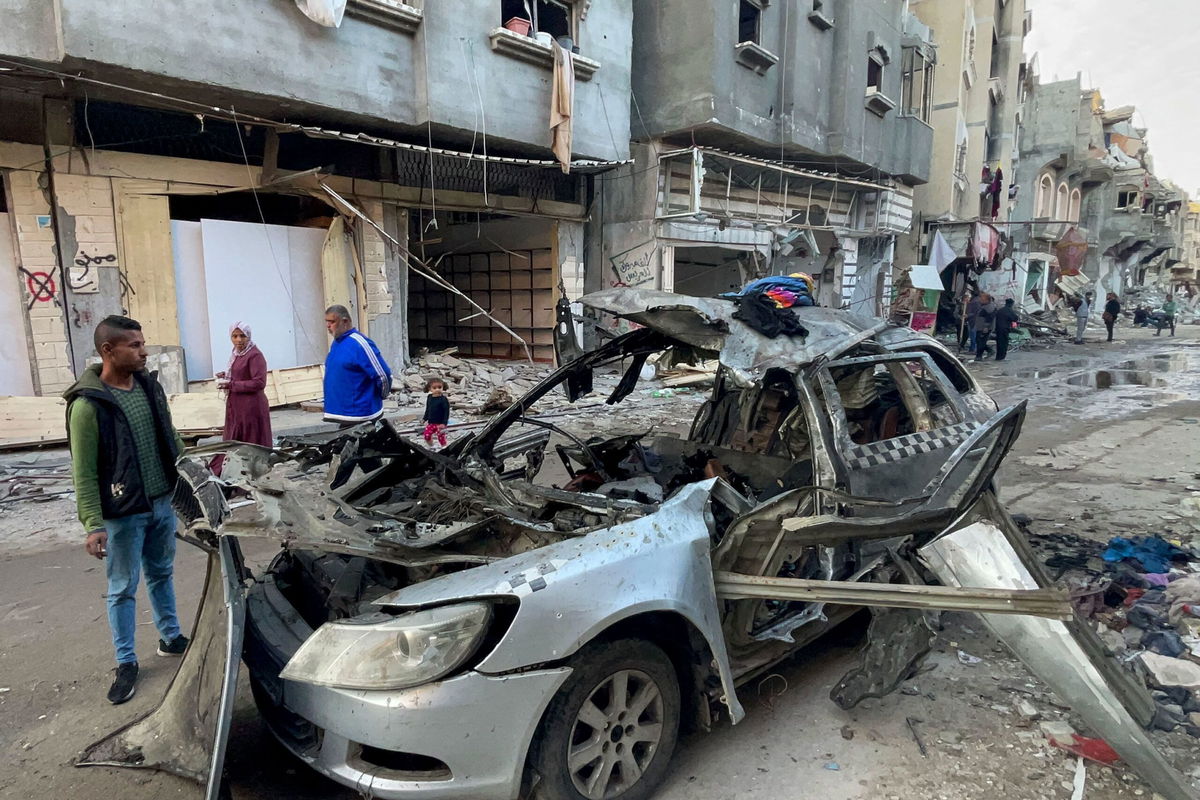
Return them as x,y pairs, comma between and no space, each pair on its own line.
247,413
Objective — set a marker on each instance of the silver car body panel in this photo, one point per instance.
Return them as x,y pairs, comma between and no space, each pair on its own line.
573,590
486,758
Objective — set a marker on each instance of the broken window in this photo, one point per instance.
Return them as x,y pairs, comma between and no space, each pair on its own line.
1128,198
994,70
555,17
875,62
916,84
749,21
886,397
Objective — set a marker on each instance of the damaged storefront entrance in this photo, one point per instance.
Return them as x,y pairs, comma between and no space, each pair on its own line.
506,264
711,271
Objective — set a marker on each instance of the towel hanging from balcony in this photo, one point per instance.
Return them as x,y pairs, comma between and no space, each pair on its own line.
562,101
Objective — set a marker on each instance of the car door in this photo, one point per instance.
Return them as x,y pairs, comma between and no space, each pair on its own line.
187,733
895,421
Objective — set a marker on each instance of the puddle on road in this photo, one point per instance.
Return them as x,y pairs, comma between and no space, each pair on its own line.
1050,372
1152,371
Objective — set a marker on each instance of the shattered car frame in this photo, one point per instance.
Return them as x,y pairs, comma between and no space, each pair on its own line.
438,625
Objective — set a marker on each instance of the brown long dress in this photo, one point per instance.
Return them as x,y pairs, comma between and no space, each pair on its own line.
247,413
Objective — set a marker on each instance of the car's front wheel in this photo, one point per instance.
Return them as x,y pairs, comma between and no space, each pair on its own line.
610,731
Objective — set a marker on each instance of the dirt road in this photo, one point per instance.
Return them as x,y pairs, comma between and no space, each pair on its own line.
1092,461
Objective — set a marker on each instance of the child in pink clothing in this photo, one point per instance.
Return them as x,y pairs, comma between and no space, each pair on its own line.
437,412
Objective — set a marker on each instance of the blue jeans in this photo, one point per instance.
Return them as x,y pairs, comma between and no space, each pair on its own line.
141,541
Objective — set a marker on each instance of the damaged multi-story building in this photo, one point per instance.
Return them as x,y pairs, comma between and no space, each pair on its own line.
976,117
769,138
1097,218
192,166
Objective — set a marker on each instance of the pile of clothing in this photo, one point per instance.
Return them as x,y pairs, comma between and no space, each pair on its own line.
1145,594
764,304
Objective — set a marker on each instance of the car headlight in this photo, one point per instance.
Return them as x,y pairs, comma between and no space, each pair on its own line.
385,652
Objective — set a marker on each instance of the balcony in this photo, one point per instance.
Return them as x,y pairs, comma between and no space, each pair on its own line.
878,103
532,51
752,56
392,14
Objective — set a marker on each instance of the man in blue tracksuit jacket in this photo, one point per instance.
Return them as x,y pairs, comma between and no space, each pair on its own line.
357,379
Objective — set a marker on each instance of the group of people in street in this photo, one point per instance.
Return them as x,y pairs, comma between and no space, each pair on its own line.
124,448
982,319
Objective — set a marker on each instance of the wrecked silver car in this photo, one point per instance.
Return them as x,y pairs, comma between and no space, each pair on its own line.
441,625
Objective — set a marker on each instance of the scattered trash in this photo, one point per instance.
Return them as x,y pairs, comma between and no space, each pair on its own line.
1096,750
847,732
1080,780
912,726
832,766
968,659
1154,553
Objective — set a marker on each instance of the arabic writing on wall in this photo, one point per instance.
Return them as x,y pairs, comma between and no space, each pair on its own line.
635,266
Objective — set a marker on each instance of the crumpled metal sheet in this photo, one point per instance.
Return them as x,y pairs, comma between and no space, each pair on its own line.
708,323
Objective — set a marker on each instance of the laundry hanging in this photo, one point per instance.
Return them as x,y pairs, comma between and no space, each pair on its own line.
562,102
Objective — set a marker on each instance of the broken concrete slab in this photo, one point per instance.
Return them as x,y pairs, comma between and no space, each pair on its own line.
1168,672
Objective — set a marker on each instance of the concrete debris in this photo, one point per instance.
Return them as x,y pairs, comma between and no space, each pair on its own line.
1169,672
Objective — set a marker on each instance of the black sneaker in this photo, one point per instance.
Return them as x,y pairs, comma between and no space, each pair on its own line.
173,648
123,687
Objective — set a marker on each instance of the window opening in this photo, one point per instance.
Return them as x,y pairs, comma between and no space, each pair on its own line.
874,73
1127,199
877,409
554,17
749,22
916,84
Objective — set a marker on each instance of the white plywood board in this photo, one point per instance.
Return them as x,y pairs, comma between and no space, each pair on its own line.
191,299
249,277
15,375
308,294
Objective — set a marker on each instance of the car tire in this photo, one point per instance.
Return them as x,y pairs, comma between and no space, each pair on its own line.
581,752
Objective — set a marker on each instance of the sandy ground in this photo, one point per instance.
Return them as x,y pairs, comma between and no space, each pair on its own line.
1096,462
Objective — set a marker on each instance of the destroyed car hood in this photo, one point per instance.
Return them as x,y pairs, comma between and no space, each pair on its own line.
570,591
707,323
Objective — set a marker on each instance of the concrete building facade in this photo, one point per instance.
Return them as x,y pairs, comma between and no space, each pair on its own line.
145,146
1098,218
769,138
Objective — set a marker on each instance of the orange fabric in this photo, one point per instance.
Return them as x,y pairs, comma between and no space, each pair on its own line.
562,101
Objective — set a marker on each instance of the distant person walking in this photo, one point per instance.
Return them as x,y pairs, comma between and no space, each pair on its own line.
1006,321
985,323
1082,312
357,379
968,332
244,380
1167,318
1112,307
123,453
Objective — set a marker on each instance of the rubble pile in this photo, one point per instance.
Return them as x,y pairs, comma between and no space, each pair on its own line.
480,387
1143,595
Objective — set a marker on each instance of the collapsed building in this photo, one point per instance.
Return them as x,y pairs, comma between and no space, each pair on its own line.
1098,219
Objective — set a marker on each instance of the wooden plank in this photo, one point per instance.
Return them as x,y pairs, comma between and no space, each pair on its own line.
144,227
31,421
335,265
284,386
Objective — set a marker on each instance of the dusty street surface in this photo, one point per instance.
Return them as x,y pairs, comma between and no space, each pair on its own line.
1091,461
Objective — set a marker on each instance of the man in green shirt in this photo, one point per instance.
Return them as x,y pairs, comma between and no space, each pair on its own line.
1167,319
123,452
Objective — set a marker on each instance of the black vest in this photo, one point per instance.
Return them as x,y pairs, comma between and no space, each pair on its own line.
121,490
